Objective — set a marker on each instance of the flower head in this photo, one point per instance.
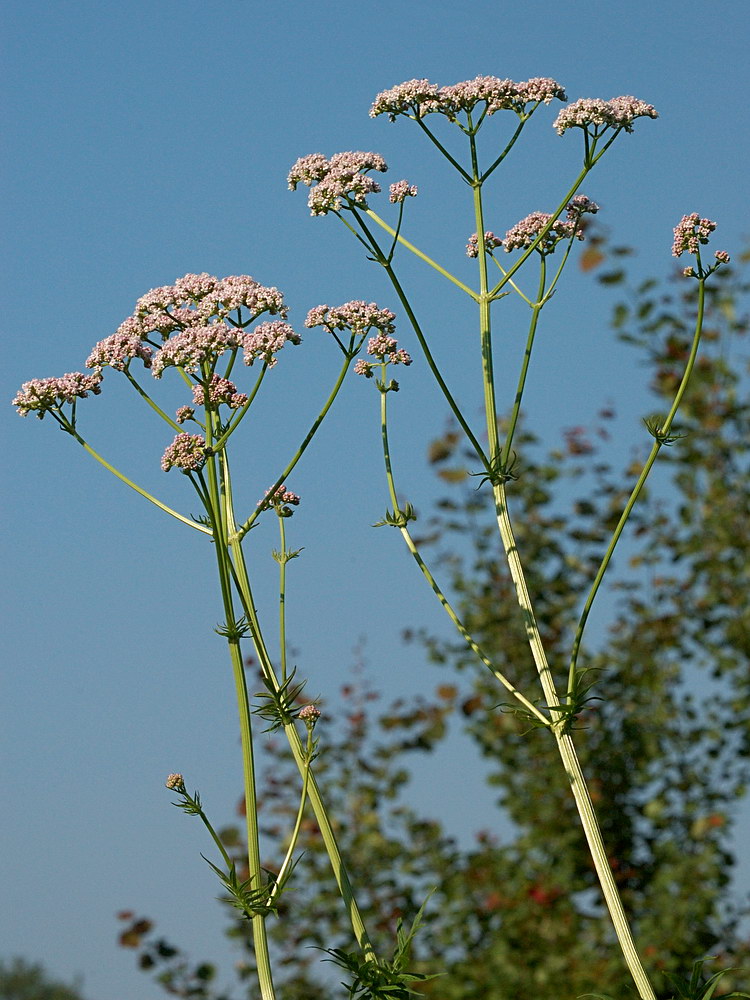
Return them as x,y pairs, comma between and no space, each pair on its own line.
357,316
118,350
527,230
417,98
690,232
400,191
281,499
491,242
175,782
186,452
309,715
220,390
343,178
266,340
619,113
189,348
41,395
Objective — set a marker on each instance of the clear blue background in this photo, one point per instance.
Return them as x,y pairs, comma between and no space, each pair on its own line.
144,140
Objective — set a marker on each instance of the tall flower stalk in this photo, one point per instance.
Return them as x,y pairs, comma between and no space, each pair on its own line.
343,192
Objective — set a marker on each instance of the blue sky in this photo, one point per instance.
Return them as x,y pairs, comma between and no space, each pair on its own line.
147,140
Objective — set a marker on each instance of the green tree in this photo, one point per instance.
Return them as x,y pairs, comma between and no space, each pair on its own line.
22,980
664,740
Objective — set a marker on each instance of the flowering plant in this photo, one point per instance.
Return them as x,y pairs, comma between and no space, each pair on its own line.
202,326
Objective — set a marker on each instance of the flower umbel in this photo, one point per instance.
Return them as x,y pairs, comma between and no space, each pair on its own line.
597,115
342,181
491,242
187,452
41,395
690,232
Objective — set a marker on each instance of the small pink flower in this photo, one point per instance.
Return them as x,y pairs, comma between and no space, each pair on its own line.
491,242
619,112
281,497
220,390
343,178
400,191
117,351
41,395
187,452
175,782
184,413
358,316
722,256
690,232
524,233
267,340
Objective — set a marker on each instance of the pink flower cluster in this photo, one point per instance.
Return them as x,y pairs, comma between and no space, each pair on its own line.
524,233
341,179
118,351
400,191
184,413
417,98
41,395
191,303
193,346
186,452
220,390
281,497
385,349
266,340
357,316
309,715
491,242
619,113
690,232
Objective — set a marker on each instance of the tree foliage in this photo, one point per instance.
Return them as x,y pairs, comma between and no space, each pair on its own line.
664,740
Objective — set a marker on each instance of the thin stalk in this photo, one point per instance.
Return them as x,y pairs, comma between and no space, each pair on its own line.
569,757
218,516
661,434
244,591
543,232
287,863
485,325
128,482
536,310
406,535
436,142
239,533
508,148
282,560
154,406
422,256
234,424
425,347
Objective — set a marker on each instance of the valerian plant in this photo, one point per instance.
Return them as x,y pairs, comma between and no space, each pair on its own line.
202,326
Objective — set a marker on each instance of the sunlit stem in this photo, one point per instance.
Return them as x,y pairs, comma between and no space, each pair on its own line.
422,256
545,229
662,432
398,288
298,751
568,755
436,142
70,429
536,310
217,512
288,861
154,406
239,533
282,559
235,422
406,535
485,303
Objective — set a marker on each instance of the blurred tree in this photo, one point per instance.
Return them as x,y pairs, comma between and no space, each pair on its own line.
666,745
22,980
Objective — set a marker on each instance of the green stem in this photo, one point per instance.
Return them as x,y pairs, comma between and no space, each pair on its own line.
287,863
436,142
240,532
154,406
569,757
321,815
128,482
424,345
217,490
536,310
485,324
662,433
422,256
543,232
234,424
282,598
406,535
